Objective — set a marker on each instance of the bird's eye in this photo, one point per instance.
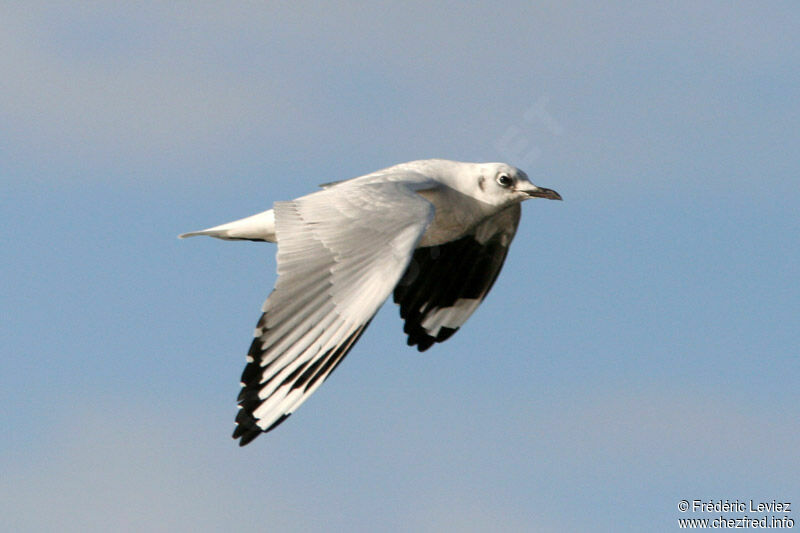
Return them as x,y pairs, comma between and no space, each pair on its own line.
504,180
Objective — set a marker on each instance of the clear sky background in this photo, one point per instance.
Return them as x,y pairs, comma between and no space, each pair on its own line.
639,348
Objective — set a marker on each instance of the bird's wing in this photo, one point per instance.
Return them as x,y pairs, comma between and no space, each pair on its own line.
341,251
444,284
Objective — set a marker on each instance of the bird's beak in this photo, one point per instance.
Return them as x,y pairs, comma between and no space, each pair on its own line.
541,192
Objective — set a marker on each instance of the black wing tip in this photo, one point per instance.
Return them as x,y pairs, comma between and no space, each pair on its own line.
305,376
419,337
247,430
422,343
246,427
246,436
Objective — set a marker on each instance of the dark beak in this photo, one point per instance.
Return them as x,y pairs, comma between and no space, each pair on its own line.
541,192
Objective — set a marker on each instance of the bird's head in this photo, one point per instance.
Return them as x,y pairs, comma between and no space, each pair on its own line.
499,184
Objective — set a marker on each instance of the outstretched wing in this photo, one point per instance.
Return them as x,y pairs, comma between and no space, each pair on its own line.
445,284
341,252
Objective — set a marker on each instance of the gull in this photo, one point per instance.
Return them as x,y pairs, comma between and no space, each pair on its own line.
433,232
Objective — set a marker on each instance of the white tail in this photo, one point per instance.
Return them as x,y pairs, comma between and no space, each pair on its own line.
260,227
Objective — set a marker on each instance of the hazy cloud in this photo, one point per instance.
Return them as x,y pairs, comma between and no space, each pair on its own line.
158,84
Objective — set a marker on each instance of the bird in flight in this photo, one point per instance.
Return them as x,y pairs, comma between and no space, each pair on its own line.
433,232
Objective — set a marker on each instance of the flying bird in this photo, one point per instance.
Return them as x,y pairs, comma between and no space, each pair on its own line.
433,232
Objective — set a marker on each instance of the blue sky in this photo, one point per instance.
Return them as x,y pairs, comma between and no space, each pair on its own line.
640,347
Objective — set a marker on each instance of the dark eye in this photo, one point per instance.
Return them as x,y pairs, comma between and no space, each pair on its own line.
504,180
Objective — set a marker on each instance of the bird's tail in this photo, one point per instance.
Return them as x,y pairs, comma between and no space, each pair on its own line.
260,227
